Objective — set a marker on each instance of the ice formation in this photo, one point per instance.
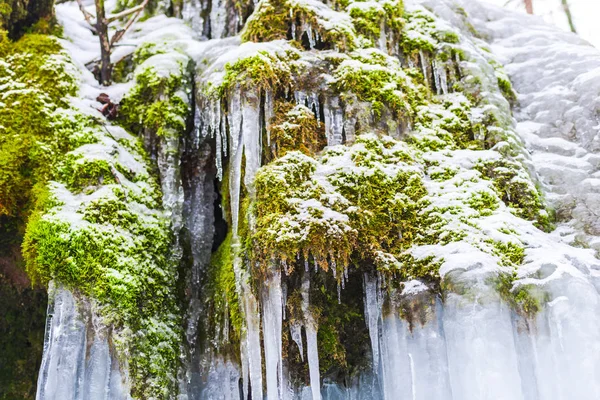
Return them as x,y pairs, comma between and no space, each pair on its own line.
469,299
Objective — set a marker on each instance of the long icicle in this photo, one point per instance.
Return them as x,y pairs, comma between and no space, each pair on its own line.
312,351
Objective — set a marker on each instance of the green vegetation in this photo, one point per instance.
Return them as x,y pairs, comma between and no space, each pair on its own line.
515,188
92,223
369,18
159,103
295,128
308,21
379,79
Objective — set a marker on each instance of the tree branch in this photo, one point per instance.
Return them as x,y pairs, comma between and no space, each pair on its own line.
119,34
88,16
565,5
124,13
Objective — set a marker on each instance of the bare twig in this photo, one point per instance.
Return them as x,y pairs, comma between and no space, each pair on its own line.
528,6
124,13
119,34
100,27
88,16
565,5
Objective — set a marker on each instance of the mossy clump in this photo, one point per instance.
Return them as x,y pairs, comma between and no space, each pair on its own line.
37,82
446,124
515,188
525,299
295,127
349,207
159,103
92,223
309,22
374,77
261,71
422,33
369,18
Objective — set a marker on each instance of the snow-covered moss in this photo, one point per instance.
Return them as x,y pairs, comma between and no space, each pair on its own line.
294,127
160,100
377,78
308,21
422,33
379,22
260,71
35,81
352,206
516,189
94,217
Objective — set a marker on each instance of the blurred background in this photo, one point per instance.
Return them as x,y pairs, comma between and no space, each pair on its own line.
580,16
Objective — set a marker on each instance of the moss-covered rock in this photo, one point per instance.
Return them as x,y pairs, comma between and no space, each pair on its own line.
94,219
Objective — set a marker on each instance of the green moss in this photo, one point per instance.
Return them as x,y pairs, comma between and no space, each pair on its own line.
422,34
368,19
37,82
80,172
375,209
294,127
223,297
516,190
446,124
262,71
525,299
272,20
378,79
484,202
159,102
111,244
510,253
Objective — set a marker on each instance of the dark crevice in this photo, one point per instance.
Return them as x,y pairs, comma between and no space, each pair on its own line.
220,223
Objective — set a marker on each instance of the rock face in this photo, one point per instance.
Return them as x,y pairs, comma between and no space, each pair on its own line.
338,200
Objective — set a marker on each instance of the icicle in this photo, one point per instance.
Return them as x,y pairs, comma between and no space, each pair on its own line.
253,343
306,265
311,38
312,351
339,293
348,129
236,149
245,368
443,79
423,67
334,121
268,114
372,315
382,36
300,97
251,134
285,267
313,104
296,333
436,77
219,155
293,24
283,298
272,330
217,19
